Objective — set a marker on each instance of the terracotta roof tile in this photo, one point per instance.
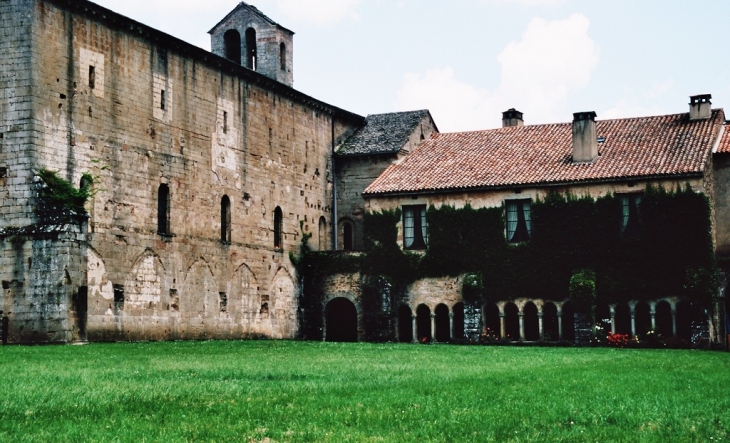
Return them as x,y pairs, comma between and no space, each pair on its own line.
724,146
542,154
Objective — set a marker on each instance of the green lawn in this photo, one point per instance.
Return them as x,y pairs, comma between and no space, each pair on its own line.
298,391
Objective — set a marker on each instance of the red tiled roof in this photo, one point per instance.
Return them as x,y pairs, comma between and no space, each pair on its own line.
724,146
667,145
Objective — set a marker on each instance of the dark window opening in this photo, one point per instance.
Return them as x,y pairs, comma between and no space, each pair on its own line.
223,301
118,297
630,215
347,236
225,122
163,210
278,218
225,219
232,43
251,48
282,57
162,99
519,220
341,321
415,228
92,77
174,300
322,234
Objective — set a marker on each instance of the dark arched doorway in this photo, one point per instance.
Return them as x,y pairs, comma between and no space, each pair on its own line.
405,324
443,327
532,323
341,320
664,324
491,321
423,323
549,322
622,318
511,321
642,318
458,321
568,322
603,320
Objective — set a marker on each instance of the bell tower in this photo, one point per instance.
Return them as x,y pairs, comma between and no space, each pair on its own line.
247,37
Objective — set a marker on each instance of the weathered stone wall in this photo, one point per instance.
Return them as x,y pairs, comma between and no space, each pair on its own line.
138,109
721,191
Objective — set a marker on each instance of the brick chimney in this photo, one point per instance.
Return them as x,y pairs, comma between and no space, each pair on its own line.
585,144
700,107
512,117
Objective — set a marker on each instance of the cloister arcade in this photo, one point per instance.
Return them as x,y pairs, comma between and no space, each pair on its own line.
520,320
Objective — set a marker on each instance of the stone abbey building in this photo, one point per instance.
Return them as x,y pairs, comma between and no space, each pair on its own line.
205,171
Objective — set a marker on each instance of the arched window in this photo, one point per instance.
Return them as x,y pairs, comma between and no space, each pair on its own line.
347,236
251,48
277,227
225,219
282,56
232,42
163,210
322,234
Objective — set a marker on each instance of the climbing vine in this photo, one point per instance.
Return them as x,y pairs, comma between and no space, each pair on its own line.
59,198
576,249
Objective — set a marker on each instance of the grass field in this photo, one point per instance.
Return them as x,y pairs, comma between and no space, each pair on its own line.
298,391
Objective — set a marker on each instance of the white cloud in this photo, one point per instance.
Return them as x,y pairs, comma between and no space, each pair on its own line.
319,12
538,74
640,105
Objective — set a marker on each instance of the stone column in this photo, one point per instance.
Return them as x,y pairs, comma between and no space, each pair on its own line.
433,327
613,319
451,325
539,325
560,324
674,323
415,329
522,325
502,333
633,324
653,317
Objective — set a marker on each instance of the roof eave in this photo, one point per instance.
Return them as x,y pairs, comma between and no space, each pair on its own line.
530,185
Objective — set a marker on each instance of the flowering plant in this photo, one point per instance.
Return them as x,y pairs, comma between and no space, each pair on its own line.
618,340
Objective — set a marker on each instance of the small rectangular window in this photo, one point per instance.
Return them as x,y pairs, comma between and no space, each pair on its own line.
415,227
519,220
118,297
225,122
162,99
631,214
223,299
92,77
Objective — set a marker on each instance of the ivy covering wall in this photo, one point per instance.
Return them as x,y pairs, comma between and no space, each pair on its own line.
673,254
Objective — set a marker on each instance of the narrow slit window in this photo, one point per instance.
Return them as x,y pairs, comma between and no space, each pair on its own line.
162,99
92,77
163,210
225,219
631,215
225,122
278,221
282,57
251,49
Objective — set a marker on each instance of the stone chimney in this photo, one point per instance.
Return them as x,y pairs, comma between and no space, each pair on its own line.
585,143
700,107
512,117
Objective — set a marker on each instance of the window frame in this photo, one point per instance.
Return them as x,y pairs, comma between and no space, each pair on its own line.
418,226
518,212
631,226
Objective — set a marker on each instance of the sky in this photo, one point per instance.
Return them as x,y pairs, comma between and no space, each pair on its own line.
467,61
